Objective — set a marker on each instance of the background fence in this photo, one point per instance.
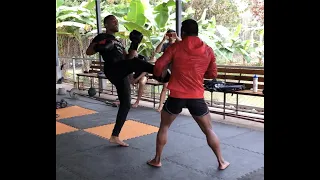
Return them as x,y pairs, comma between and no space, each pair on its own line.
73,65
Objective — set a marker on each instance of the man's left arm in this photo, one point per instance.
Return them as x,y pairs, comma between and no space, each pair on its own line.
131,54
177,37
211,72
163,61
136,38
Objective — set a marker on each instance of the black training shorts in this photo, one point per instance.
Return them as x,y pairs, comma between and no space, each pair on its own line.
196,107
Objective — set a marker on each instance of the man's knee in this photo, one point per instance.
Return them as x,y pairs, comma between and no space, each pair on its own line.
125,98
143,81
126,104
165,86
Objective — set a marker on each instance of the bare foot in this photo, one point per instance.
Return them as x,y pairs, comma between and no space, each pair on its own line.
224,165
153,163
116,140
116,103
135,104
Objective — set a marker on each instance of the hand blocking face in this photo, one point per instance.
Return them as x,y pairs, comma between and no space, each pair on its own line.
171,35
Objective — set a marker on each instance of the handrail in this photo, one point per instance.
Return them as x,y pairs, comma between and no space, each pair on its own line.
241,67
219,66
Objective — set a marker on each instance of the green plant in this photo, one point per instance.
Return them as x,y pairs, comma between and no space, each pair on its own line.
153,20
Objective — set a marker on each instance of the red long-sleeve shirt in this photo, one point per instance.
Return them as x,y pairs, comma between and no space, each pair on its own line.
192,61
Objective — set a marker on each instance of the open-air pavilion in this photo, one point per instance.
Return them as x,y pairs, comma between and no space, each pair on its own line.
84,152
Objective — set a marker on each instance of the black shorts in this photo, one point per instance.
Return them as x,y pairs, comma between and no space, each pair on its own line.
196,107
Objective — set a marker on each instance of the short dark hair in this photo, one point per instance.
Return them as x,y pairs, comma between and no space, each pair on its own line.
170,31
107,18
190,27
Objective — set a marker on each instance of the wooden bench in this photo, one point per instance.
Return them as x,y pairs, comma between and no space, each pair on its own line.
154,84
240,75
97,66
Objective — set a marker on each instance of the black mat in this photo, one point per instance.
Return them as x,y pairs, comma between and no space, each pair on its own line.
155,120
169,171
73,142
177,143
103,161
100,108
80,101
222,130
89,121
138,114
252,141
144,110
62,173
81,155
255,175
203,159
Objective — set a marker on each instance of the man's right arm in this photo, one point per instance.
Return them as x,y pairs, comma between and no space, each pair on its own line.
212,71
163,61
159,47
91,49
135,38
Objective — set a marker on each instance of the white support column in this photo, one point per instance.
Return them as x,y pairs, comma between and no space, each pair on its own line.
58,71
178,17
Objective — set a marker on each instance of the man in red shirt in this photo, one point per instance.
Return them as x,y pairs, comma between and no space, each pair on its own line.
192,61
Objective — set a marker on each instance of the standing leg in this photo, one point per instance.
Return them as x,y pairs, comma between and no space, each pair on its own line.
142,83
162,96
200,112
172,108
124,94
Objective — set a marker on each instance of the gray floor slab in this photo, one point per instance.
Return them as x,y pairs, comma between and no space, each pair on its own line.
177,143
222,130
252,141
73,142
89,121
204,160
104,161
